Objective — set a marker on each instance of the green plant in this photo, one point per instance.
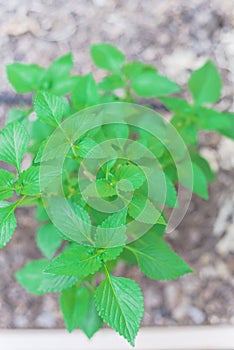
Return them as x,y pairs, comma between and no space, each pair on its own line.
85,300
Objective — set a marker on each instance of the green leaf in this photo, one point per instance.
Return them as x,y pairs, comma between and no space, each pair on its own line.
171,195
128,257
151,84
56,283
210,119
41,214
85,146
134,69
7,223
200,185
16,115
120,303
156,260
205,84
176,104
76,261
60,69
111,82
91,322
85,93
31,275
204,166
64,86
29,181
6,184
35,281
72,220
111,233
132,173
100,188
74,303
48,240
116,131
111,253
107,56
25,78
14,141
143,210
50,108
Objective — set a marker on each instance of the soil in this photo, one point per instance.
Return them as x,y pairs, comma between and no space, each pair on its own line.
177,37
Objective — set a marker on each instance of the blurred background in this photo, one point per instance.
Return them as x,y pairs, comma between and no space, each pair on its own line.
177,37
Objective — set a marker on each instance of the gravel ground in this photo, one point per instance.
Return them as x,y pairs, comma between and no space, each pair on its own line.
176,36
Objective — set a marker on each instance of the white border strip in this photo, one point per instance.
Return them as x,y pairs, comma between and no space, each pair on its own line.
157,338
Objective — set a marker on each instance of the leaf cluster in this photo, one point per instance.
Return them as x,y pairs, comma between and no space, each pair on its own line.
68,266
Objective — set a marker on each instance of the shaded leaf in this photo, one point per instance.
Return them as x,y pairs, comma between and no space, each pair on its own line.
156,260
48,240
74,303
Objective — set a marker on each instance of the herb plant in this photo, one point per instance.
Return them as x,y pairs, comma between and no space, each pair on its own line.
82,270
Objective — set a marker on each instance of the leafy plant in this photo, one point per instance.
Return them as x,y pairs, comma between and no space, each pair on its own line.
83,272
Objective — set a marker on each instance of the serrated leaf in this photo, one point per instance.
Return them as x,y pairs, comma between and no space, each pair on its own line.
112,231
156,260
7,223
131,173
107,56
85,93
14,141
40,152
50,108
74,303
99,188
143,210
73,220
120,303
205,84
76,261
29,181
25,78
6,184
56,283
151,84
111,253
84,147
48,240
91,322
